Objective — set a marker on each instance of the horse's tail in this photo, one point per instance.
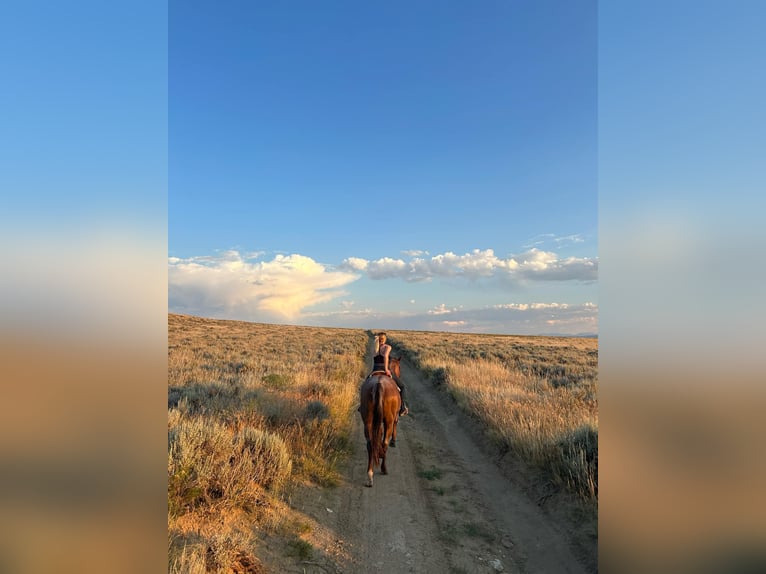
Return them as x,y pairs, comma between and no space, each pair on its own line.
377,424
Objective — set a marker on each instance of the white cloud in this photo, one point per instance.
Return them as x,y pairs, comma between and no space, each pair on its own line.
532,265
414,252
284,289
575,238
355,264
559,240
230,286
507,318
539,240
385,268
439,310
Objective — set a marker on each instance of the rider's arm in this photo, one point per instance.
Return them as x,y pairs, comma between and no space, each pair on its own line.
385,356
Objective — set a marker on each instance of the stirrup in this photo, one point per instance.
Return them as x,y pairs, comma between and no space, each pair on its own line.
404,411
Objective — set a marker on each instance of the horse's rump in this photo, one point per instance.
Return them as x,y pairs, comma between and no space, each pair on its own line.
379,403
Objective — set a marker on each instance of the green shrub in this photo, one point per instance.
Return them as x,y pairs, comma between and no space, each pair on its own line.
276,381
317,410
431,474
300,549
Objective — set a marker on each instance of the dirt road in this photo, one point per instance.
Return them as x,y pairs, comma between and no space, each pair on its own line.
444,507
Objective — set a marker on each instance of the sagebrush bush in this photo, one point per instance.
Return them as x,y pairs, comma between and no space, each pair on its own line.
279,411
197,459
276,381
440,376
208,462
317,410
267,456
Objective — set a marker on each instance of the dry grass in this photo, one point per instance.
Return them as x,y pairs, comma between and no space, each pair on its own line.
537,396
253,410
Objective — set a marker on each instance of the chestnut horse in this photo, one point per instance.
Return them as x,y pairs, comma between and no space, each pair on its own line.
379,406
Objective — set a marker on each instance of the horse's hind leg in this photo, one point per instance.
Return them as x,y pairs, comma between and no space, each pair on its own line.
369,464
386,439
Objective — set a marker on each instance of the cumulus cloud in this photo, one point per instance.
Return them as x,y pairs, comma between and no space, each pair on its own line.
440,310
355,264
231,285
386,268
246,286
537,265
531,265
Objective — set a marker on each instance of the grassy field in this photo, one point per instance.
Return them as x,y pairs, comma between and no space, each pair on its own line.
256,410
536,396
252,411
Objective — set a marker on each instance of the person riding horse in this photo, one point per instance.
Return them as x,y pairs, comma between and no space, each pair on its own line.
380,364
380,397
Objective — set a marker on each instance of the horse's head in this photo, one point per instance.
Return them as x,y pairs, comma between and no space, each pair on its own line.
393,365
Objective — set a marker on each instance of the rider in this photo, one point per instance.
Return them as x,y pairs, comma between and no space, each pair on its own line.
380,363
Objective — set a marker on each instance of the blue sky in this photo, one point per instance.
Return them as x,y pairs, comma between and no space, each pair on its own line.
425,165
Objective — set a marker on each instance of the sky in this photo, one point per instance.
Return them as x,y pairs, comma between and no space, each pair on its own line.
427,166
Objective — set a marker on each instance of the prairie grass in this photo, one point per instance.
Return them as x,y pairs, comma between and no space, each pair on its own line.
253,410
536,396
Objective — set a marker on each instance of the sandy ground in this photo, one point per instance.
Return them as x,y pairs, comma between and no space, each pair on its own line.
445,506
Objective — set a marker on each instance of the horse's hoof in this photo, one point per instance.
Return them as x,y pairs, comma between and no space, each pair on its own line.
392,444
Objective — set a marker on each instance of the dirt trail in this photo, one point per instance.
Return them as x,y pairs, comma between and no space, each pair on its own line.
444,506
